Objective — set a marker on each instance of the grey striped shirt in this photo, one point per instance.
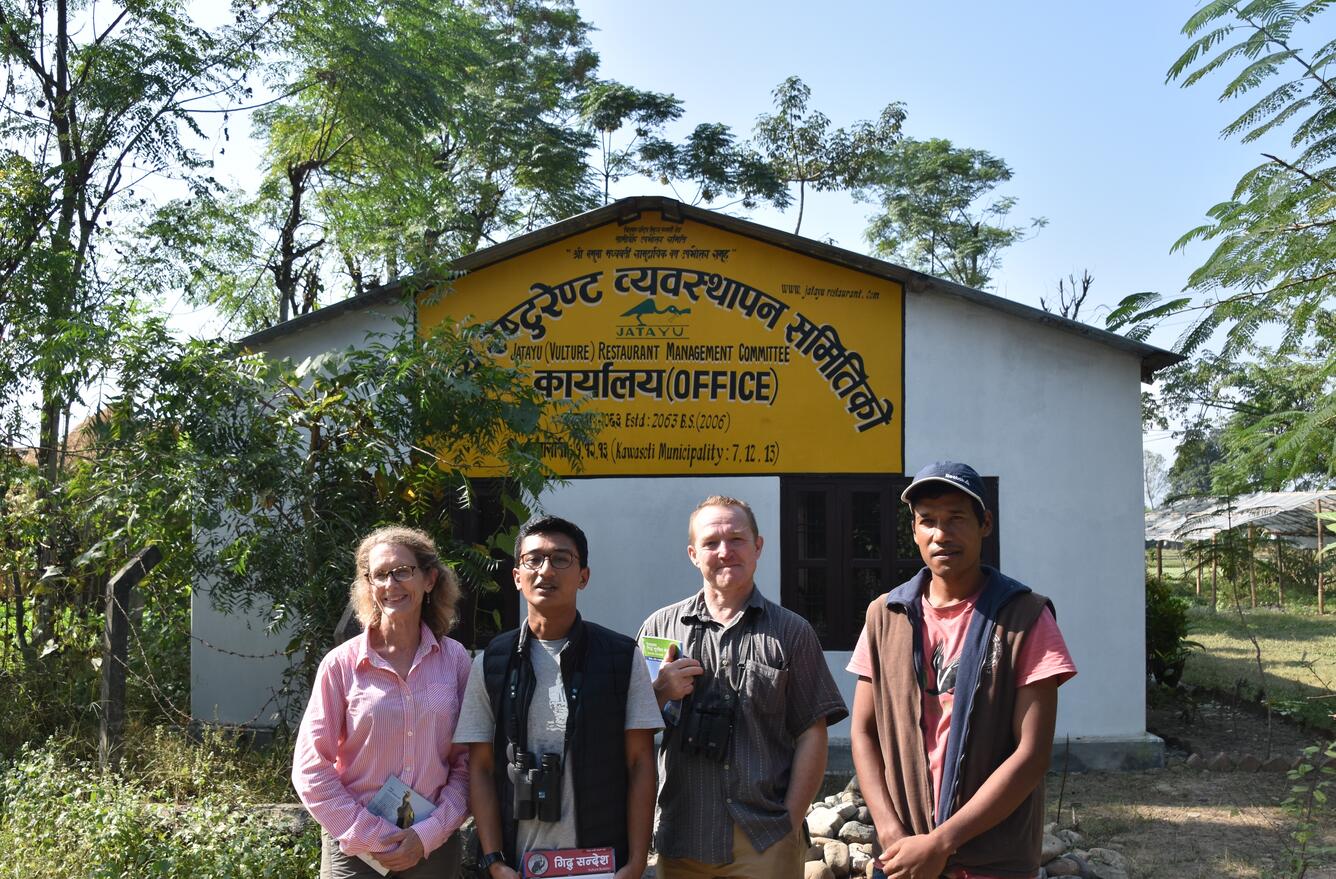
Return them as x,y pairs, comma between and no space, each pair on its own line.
771,657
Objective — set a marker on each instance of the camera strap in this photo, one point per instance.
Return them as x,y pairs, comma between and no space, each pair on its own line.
520,684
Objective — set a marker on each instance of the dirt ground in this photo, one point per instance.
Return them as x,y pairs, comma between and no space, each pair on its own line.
1181,823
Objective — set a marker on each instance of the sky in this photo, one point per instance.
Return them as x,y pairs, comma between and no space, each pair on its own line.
1073,95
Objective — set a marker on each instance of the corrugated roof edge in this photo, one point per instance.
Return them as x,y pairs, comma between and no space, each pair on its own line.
629,209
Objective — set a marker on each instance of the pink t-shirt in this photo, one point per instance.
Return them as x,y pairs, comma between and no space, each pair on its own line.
1043,655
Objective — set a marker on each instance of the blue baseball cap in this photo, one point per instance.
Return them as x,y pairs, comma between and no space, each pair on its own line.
961,477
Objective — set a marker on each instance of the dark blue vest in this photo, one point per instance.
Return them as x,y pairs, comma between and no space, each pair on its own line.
597,754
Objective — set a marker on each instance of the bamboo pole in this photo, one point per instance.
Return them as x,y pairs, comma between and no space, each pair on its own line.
1280,573
1252,581
1214,566
1321,585
1199,560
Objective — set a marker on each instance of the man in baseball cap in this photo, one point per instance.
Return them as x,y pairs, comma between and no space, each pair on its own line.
958,673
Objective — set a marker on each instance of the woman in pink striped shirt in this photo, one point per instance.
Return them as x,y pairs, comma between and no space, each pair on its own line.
385,703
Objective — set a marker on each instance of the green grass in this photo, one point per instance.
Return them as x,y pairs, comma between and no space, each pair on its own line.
1293,584
1298,657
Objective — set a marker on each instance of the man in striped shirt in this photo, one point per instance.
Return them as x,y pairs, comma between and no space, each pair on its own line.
747,697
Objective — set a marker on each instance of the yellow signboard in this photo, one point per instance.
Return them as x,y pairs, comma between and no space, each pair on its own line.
704,351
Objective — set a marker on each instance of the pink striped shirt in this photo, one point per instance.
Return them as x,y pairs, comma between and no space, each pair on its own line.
364,723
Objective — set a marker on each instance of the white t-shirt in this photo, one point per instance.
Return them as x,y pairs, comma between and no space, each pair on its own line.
547,730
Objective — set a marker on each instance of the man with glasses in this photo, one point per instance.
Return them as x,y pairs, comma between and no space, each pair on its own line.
560,718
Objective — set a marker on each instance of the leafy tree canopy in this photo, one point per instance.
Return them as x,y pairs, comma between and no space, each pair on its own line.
1273,266
802,147
937,214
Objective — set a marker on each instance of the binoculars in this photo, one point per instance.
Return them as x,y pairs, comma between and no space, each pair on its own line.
537,789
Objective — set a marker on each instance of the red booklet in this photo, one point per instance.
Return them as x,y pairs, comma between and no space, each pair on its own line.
591,863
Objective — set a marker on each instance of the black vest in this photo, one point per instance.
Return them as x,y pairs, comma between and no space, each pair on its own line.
597,752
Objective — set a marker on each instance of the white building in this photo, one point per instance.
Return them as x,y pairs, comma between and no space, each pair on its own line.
811,381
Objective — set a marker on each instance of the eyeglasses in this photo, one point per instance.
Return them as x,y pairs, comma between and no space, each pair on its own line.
401,574
533,561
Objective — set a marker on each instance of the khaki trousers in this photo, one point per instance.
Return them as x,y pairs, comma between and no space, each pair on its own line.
783,860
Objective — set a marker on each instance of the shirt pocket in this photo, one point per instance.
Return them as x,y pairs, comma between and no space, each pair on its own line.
764,688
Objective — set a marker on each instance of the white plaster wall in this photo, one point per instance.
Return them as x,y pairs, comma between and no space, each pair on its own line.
1057,419
239,689
637,530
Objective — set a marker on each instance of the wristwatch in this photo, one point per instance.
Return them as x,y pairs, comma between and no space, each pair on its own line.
485,862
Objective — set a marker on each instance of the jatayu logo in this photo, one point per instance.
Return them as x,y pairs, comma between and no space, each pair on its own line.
653,322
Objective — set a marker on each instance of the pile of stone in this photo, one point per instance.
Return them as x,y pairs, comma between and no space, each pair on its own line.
1223,762
844,844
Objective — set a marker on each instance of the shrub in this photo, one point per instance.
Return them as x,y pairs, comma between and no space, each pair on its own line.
1167,644
60,818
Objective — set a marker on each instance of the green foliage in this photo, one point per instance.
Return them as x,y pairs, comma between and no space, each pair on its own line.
1167,629
607,107
1273,266
1198,453
60,818
720,167
284,467
405,134
802,148
1309,805
931,217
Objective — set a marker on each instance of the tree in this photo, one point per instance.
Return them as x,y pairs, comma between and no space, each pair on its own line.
607,107
1155,478
94,105
1195,458
713,161
1070,298
803,149
277,469
406,135
1274,263
931,218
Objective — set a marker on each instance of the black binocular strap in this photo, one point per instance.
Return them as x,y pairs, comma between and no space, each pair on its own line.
520,685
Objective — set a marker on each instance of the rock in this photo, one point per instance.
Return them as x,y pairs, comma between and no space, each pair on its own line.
1071,837
1063,867
1051,847
847,810
817,870
1051,827
1108,864
863,816
1221,762
858,862
837,858
820,841
1195,761
853,785
816,852
854,831
1276,764
825,822
1248,763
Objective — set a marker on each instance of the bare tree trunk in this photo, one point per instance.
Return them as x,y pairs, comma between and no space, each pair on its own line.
802,191
1159,559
